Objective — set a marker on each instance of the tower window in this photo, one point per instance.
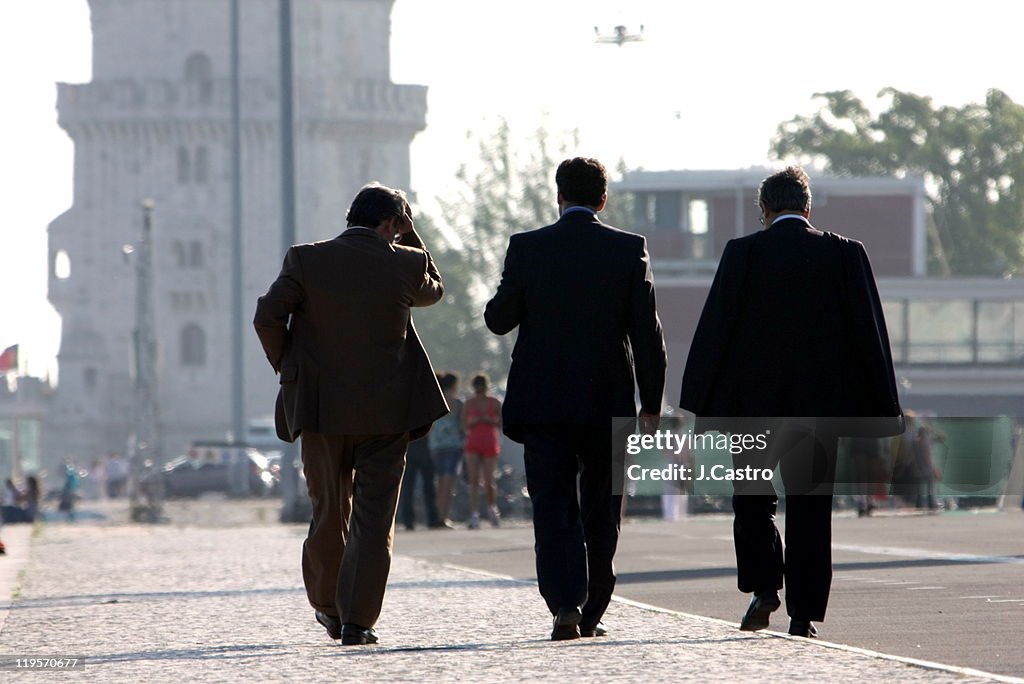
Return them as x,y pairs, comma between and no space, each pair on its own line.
195,254
199,74
202,169
179,254
193,346
62,265
184,166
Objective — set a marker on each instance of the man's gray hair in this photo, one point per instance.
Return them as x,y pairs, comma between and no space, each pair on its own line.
786,190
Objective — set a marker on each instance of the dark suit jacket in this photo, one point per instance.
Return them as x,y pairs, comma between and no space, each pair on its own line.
582,295
793,327
350,360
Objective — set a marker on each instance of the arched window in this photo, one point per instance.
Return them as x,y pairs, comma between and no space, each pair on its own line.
193,346
184,167
62,265
199,71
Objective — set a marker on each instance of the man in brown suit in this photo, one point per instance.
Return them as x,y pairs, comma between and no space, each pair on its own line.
357,385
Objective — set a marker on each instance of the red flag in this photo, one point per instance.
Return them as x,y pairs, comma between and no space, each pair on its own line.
9,359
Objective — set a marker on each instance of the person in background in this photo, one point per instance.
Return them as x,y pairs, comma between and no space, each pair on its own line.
117,475
31,497
481,420
419,465
97,479
927,472
446,442
69,493
865,457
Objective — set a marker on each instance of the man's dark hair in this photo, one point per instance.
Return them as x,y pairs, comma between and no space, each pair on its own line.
786,190
481,379
448,380
374,204
582,180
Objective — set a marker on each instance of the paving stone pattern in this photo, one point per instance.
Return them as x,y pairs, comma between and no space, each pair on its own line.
175,604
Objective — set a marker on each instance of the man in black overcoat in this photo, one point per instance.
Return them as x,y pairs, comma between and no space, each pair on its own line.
792,329
582,295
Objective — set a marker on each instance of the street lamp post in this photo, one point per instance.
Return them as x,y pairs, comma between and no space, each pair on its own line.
146,437
240,481
291,509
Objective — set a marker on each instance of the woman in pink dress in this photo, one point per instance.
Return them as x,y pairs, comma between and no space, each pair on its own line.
481,421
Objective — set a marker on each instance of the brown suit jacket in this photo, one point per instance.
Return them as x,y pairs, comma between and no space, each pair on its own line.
350,360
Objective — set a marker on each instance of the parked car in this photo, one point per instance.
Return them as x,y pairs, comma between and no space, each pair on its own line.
199,473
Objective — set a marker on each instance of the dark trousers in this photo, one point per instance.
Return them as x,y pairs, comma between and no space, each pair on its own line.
418,466
353,483
575,535
807,464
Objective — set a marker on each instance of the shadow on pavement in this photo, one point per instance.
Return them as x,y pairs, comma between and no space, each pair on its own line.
118,598
708,573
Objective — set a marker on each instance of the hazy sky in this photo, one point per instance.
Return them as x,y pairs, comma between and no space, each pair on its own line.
706,89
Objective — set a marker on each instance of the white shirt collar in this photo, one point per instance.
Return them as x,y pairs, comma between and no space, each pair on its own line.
579,208
790,216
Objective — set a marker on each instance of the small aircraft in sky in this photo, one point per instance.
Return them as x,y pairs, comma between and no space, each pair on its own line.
622,35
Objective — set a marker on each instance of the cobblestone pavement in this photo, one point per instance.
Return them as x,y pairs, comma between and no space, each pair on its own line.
172,603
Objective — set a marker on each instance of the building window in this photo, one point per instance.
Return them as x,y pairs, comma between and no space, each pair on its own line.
193,346
940,331
195,254
180,259
698,211
199,74
202,169
698,220
955,331
61,265
995,332
184,167
895,312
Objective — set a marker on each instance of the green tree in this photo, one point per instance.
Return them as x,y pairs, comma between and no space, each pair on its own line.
509,187
971,157
452,330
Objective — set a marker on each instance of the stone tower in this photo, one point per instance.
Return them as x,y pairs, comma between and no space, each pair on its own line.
154,123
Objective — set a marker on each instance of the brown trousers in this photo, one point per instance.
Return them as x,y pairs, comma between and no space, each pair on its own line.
353,483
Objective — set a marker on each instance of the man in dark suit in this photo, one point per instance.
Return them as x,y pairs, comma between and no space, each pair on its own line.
792,329
357,385
582,295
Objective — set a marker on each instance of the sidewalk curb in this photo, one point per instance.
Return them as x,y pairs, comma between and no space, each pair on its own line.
925,664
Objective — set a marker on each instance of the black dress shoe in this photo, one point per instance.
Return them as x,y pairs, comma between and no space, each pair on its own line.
566,624
330,622
356,635
597,630
803,628
759,611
